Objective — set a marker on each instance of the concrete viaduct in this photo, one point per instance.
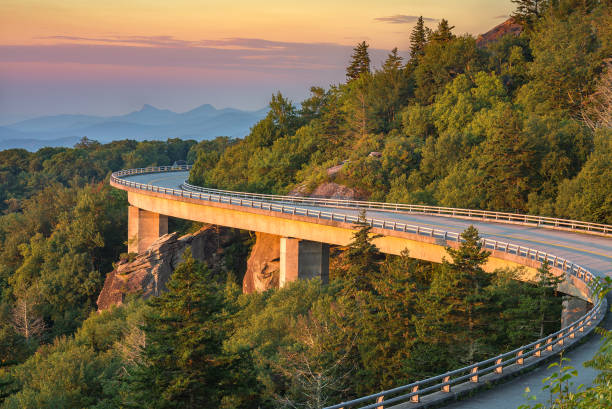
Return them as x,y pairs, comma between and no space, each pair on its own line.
576,250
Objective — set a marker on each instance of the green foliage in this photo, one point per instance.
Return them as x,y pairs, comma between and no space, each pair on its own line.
587,196
443,33
360,62
492,128
459,125
362,258
418,39
528,11
184,363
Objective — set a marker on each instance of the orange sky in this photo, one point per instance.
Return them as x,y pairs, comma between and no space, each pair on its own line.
76,48
338,21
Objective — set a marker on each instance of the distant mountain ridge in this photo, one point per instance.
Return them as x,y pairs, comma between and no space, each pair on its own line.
202,122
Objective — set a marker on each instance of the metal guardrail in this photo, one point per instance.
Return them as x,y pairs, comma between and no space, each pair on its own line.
472,373
443,382
539,221
243,199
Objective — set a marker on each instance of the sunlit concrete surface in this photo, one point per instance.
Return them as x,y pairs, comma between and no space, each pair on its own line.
590,251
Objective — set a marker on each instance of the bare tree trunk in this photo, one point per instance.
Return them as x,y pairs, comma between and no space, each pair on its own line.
25,321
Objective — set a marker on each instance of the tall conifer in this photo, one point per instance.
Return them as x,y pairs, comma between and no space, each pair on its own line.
360,62
443,33
185,364
418,39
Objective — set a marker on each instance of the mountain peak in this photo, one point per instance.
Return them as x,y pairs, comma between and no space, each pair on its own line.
148,107
204,108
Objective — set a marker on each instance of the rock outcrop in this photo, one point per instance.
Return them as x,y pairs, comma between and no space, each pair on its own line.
263,265
331,190
509,26
149,271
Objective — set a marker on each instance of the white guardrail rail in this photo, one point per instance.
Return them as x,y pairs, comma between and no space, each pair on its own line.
440,383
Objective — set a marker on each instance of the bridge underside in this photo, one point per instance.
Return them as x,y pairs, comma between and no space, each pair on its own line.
306,243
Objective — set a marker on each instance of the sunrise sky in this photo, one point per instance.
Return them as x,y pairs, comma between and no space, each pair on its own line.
110,57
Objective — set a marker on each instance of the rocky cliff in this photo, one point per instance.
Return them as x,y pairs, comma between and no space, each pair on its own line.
148,272
263,265
509,26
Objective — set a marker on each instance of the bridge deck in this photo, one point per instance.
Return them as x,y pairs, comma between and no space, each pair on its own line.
591,251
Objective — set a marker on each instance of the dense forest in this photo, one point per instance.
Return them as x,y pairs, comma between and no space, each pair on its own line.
522,124
518,125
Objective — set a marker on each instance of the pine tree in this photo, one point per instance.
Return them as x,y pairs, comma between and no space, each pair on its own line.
418,39
185,364
469,280
548,304
469,257
363,257
443,33
360,62
393,62
527,11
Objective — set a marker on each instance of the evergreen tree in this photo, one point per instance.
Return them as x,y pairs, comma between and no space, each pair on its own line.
363,257
469,258
185,364
360,62
393,62
443,33
527,11
418,39
468,301
548,304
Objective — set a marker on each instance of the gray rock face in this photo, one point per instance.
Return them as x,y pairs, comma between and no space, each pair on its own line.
148,273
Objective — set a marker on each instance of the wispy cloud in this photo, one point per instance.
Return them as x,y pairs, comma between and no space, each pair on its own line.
504,16
252,54
170,41
402,19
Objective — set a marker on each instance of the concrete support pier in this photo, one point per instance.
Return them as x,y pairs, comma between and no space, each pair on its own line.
573,308
303,259
144,228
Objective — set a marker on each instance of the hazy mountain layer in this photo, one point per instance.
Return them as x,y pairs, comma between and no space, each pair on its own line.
203,122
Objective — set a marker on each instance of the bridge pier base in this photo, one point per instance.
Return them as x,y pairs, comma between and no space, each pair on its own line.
144,228
573,308
303,259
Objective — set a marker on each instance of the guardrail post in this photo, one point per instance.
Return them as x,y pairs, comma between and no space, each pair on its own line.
415,398
549,345
560,339
446,388
474,377
499,369
380,400
519,359
538,352
572,333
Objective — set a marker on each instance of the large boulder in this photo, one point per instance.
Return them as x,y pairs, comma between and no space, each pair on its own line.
149,271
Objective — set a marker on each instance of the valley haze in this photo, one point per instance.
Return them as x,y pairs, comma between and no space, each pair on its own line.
148,123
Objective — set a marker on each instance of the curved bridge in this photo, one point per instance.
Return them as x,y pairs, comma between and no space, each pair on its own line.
578,251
